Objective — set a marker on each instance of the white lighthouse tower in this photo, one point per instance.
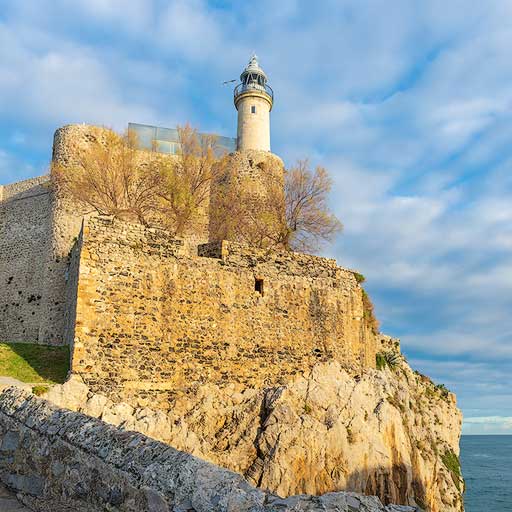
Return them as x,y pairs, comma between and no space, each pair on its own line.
253,100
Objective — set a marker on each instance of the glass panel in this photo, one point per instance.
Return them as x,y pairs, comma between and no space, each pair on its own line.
166,140
168,134
163,146
144,135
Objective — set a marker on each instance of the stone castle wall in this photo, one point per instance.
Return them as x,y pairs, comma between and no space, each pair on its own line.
25,234
153,319
38,227
69,143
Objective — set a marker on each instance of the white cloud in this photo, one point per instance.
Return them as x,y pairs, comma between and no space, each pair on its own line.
491,425
191,30
491,419
409,106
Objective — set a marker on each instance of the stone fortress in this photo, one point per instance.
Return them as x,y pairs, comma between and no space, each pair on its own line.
262,362
146,315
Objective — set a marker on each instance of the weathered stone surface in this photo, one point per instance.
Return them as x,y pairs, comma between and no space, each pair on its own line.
75,391
7,382
100,467
25,234
154,322
10,441
8,501
380,432
39,225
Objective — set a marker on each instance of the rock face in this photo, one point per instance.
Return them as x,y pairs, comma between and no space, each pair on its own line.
57,460
390,433
9,503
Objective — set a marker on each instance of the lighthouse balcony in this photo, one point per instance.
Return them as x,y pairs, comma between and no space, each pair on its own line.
254,86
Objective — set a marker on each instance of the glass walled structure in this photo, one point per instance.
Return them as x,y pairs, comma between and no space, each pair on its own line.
166,140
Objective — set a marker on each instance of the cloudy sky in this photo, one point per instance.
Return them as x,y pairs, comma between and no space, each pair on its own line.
408,104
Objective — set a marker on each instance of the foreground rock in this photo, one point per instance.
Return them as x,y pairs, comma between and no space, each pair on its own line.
9,503
58,460
389,433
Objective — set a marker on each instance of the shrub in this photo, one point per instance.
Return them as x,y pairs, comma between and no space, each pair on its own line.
40,390
392,358
429,392
443,390
389,358
380,361
452,464
359,277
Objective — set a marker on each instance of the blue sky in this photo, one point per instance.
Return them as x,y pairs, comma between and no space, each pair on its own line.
408,104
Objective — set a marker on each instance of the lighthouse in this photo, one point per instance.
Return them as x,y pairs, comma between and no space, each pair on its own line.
253,100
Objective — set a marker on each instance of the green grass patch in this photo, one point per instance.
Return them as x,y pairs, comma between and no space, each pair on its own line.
32,363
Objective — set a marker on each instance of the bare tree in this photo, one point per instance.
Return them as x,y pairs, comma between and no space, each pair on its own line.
309,221
107,177
293,215
112,176
184,188
247,208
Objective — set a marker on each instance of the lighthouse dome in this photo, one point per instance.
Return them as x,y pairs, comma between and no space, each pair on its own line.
253,68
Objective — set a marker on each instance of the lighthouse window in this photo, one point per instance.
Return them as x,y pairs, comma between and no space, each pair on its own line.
253,109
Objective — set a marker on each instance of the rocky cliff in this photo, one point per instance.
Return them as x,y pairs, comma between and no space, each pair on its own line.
388,432
57,460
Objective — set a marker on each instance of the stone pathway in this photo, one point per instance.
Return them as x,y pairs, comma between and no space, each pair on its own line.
9,503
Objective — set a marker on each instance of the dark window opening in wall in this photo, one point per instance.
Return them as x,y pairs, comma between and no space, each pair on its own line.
253,109
258,286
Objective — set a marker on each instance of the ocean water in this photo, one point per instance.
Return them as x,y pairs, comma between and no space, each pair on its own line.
487,468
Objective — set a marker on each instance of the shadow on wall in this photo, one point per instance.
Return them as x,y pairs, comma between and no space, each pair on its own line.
395,484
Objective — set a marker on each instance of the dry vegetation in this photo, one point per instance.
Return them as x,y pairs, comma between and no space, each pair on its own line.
113,177
290,213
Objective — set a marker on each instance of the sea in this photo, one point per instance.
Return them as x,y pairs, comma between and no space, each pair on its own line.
487,468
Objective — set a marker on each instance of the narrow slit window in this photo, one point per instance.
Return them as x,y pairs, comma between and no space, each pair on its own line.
253,109
258,286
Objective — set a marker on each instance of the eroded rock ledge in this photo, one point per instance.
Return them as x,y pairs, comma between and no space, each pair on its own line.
59,460
386,433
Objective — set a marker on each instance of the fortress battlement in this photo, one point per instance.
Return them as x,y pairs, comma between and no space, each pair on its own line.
167,316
